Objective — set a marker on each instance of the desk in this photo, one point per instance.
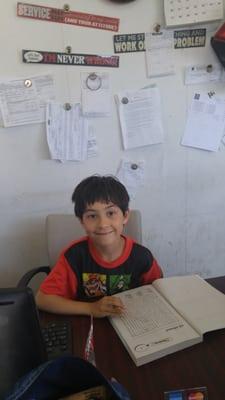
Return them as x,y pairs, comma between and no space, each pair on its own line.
200,365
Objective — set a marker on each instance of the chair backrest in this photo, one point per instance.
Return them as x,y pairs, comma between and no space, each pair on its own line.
61,229
21,342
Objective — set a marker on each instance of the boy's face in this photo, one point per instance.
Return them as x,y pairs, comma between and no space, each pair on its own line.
104,222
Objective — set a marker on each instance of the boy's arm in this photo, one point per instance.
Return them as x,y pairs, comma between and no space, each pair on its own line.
154,272
106,306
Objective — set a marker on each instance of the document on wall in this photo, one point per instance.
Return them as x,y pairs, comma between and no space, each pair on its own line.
195,74
45,90
169,315
92,146
96,94
23,101
132,175
205,122
19,103
1,118
159,53
140,117
184,12
67,132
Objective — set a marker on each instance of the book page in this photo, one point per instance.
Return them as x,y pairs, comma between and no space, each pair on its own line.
196,300
150,328
143,316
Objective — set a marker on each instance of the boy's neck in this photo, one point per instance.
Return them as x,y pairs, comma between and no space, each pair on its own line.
111,253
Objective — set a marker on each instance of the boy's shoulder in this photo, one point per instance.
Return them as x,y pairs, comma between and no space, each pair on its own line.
139,249
75,244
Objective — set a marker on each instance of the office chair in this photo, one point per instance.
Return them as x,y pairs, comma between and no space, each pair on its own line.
21,342
61,229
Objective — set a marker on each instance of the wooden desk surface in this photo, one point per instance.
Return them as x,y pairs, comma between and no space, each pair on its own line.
200,365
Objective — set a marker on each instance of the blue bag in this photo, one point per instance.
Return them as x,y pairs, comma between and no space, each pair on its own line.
62,377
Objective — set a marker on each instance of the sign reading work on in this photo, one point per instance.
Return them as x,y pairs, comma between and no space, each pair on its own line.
50,57
67,17
189,38
129,43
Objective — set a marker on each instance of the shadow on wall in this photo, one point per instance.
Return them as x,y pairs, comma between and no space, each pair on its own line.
23,248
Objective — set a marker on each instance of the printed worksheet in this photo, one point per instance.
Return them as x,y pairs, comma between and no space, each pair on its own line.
92,146
19,103
146,312
140,117
132,175
205,122
159,53
23,101
195,74
45,90
67,132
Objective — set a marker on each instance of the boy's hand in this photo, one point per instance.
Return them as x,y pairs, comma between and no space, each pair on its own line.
106,306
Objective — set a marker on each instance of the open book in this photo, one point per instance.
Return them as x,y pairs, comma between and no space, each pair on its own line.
168,315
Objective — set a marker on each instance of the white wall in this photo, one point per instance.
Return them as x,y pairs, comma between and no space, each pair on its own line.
183,200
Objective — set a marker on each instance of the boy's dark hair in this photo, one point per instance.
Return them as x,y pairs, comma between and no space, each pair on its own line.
99,188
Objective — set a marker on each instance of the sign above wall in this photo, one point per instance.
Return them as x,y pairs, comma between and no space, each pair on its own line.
67,17
128,43
50,57
189,38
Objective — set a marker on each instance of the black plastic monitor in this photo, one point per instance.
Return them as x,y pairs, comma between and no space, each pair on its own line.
21,342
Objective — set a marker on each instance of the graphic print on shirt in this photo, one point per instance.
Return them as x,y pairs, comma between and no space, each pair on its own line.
94,284
119,283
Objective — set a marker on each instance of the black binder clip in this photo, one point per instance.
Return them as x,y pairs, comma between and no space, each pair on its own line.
66,7
68,49
209,68
134,166
67,106
211,94
157,28
124,100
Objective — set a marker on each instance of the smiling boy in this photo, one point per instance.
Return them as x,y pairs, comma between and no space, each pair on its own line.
104,262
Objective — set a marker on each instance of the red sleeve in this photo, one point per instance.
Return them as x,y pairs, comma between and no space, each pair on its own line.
153,273
61,281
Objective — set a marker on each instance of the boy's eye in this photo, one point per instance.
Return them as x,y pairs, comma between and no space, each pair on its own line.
91,216
111,213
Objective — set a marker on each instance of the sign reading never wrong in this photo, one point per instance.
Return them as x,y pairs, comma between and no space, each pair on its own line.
50,57
67,17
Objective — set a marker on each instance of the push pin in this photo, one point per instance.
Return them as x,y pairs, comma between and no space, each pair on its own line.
68,49
66,7
134,166
209,68
157,28
93,76
211,94
124,100
67,106
27,83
